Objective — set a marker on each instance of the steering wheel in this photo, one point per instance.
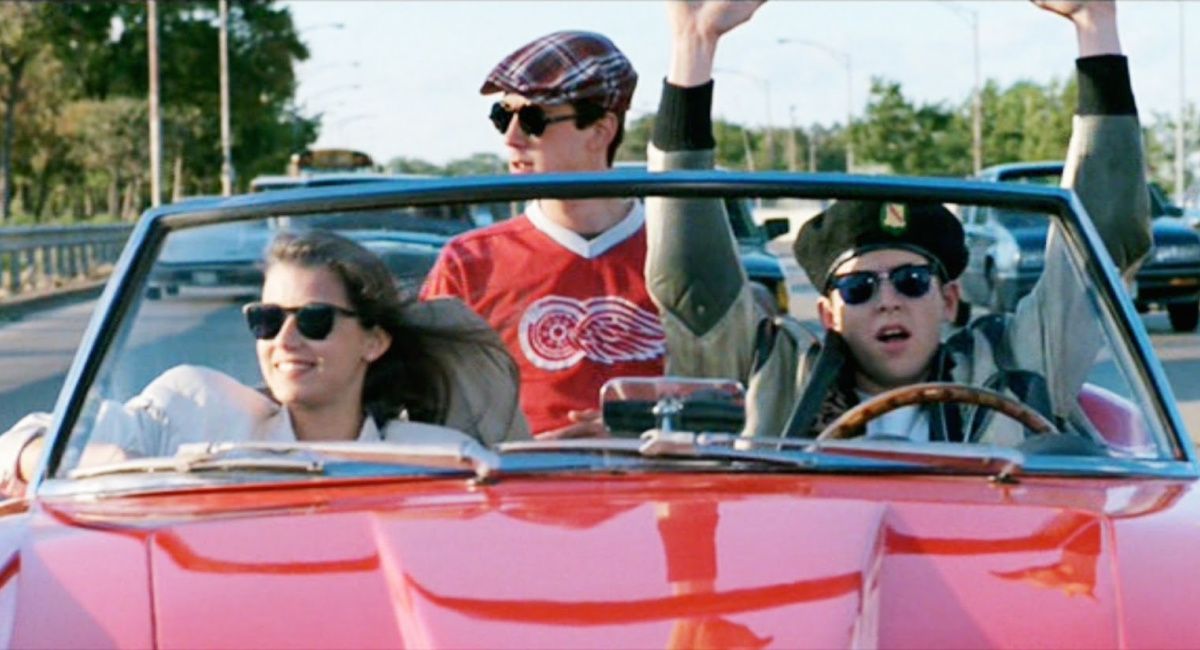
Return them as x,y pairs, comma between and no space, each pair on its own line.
934,392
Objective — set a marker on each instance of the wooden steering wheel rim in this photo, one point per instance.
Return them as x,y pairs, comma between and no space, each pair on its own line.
856,418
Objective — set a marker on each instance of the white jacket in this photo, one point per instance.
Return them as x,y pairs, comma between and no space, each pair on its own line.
188,404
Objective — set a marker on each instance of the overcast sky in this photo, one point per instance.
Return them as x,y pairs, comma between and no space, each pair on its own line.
401,78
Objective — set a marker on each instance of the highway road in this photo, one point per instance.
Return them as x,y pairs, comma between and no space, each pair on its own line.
36,351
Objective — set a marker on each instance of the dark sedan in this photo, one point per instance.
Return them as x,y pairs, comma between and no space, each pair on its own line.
1007,247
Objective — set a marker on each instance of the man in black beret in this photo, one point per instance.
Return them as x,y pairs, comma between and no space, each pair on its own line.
886,272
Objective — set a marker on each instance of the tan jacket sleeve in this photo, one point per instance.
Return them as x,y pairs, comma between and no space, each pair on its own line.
1055,330
708,334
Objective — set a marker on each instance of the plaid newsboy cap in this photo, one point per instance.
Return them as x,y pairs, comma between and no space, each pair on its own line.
564,67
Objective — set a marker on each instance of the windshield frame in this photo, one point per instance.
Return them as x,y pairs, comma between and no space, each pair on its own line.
133,267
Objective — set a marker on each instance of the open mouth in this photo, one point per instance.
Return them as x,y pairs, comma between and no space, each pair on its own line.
520,167
892,333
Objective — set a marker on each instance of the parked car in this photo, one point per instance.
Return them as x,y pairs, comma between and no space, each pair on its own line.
229,258
693,537
1007,247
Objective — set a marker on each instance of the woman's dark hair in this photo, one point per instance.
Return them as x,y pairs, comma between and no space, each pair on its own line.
406,377
588,113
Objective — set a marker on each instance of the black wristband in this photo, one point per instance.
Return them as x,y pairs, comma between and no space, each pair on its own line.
684,121
1104,87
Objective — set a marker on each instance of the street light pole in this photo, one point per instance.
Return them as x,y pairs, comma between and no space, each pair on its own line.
155,122
972,18
792,138
848,63
226,149
1179,123
766,88
976,101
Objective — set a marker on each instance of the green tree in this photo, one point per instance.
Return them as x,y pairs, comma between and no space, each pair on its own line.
476,164
1159,137
103,47
1027,121
20,43
930,139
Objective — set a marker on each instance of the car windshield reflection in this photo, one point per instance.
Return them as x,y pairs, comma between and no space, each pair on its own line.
175,350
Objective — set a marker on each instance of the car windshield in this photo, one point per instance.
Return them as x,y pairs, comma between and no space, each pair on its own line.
1105,396
1021,218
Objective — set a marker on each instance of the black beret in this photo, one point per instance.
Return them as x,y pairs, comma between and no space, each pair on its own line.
850,228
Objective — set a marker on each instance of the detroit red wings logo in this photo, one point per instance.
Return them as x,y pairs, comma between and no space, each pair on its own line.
558,332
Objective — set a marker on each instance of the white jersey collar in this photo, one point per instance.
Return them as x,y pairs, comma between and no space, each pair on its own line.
581,246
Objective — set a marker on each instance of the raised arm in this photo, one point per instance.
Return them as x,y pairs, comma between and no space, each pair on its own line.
1105,162
692,269
1106,168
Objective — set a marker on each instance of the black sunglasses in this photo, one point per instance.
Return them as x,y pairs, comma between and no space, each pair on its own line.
531,118
909,280
314,320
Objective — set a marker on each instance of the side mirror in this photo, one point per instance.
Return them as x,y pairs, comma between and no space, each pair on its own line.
632,405
776,226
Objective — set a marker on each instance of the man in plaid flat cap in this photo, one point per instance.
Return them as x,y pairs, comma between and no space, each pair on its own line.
562,283
887,273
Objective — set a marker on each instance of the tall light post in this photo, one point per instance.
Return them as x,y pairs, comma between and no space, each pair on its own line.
223,56
1179,123
971,16
792,138
848,63
765,85
155,121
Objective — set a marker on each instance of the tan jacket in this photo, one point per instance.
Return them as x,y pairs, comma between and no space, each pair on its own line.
1105,166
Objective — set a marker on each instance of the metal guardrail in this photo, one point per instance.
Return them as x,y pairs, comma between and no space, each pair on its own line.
40,259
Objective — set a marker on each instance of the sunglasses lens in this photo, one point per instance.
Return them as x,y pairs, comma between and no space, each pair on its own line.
911,281
856,288
501,117
264,321
315,322
532,120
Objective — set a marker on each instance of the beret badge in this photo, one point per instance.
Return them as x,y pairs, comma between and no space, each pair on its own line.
893,218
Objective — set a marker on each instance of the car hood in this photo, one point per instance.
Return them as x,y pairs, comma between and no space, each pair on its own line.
1172,230
659,561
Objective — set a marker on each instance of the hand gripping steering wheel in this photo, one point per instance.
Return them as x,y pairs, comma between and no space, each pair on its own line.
934,392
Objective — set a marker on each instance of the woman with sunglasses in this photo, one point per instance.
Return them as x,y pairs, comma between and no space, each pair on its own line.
888,273
344,357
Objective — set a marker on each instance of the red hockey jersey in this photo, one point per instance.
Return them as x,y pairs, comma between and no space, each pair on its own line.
574,312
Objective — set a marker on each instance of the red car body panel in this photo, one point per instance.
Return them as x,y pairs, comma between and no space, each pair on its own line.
662,560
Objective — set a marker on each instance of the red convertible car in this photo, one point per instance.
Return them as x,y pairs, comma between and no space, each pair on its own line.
676,532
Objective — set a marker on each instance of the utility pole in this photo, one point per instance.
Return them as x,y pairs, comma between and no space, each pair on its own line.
792,138
976,101
972,18
223,46
1179,123
155,122
812,148
848,63
765,85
